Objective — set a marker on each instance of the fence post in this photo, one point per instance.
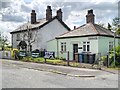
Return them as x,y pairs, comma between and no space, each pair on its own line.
108,59
68,58
45,60
99,61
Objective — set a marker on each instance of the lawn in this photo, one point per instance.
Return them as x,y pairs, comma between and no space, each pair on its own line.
50,61
41,60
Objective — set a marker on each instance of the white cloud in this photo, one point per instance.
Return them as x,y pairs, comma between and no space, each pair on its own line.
74,12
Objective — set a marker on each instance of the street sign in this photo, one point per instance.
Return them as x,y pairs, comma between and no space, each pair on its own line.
49,55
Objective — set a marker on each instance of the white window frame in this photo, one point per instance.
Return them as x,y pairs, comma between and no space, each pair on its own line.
85,46
63,46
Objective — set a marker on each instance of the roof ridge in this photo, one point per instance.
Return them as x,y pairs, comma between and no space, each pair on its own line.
72,30
41,25
94,28
80,26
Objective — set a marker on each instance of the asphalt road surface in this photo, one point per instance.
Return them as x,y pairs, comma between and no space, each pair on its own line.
17,74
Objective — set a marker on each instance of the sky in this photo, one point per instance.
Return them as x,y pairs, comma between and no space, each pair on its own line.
13,13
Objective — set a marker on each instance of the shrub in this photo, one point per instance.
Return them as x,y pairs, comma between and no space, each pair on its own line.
104,60
111,58
28,59
13,52
61,58
56,57
117,56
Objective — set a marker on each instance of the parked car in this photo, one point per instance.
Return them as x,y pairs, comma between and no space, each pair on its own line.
35,53
22,54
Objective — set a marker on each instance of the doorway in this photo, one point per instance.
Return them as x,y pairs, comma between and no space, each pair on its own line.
75,52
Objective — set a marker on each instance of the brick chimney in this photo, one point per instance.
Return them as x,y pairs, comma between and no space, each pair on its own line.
48,13
90,17
59,14
74,27
33,17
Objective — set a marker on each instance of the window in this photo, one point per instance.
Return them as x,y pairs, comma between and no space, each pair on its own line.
63,46
110,46
18,37
86,46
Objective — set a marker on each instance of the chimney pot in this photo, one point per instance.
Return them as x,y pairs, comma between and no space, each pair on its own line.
59,14
90,17
90,11
33,10
74,27
48,13
33,17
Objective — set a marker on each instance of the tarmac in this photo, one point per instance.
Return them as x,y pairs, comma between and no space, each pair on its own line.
63,70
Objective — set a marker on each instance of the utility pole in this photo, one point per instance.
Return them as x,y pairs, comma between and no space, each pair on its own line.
114,47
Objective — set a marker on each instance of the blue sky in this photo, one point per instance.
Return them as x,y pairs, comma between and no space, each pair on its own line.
16,12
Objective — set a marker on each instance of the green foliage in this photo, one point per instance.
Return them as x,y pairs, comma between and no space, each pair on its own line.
115,23
118,31
61,58
27,59
56,57
3,41
104,59
111,58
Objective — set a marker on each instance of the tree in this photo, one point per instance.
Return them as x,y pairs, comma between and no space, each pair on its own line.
116,24
3,41
29,36
116,21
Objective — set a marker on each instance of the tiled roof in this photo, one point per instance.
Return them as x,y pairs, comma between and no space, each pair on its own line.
40,23
25,25
88,29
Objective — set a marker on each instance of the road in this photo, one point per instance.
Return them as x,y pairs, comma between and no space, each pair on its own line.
16,74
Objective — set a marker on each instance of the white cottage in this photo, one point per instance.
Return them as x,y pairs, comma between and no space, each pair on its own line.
37,32
89,37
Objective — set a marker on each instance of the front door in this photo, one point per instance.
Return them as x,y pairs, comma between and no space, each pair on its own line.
75,52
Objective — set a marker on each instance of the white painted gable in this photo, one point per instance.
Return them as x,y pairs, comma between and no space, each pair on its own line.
42,35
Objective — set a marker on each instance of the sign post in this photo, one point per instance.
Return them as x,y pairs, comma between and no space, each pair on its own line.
68,59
